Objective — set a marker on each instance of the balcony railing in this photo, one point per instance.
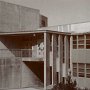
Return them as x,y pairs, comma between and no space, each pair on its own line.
19,53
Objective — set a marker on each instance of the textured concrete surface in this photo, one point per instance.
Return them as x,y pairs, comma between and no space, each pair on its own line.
29,78
18,18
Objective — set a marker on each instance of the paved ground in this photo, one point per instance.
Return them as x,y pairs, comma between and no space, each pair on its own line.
23,89
27,89
39,88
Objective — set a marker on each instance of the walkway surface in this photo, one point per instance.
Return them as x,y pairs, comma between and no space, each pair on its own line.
39,88
26,89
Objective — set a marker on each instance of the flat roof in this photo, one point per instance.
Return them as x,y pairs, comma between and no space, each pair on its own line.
42,31
32,32
80,33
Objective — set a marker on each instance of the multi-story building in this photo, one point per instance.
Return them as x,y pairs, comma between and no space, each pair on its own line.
80,56
40,58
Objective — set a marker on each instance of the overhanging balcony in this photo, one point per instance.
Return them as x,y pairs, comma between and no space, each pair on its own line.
24,54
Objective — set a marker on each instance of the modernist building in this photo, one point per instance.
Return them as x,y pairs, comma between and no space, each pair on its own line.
33,59
40,58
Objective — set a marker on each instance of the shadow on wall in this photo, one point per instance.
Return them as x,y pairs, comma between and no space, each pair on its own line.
37,67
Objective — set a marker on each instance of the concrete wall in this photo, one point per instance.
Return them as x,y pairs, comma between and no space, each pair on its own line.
81,55
10,73
15,74
81,27
18,18
29,78
82,82
61,28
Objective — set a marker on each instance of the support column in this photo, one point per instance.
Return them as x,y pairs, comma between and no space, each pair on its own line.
67,55
65,58
46,60
59,57
71,46
54,56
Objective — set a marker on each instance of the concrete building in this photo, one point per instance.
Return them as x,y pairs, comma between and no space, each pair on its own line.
76,52
33,59
19,18
80,55
40,58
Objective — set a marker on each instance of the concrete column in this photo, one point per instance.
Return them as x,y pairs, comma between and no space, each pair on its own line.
65,58
59,57
46,60
71,46
77,41
66,54
84,41
54,56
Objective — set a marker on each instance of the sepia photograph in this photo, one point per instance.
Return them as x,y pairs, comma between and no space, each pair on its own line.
44,44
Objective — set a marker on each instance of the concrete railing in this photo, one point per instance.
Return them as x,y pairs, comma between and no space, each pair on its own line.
22,53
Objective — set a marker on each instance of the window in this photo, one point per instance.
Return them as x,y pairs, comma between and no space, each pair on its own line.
75,69
80,37
74,37
80,46
88,70
74,42
81,69
74,46
80,41
87,41
81,74
43,23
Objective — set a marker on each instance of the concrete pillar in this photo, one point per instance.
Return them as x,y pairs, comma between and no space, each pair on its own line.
84,41
54,56
66,55
46,60
67,52
59,55
71,46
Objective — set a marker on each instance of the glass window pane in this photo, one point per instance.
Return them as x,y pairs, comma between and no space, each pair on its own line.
87,65
87,46
80,37
87,41
81,42
75,65
87,70
81,70
87,36
74,69
74,42
81,65
88,75
74,46
80,46
74,37
81,74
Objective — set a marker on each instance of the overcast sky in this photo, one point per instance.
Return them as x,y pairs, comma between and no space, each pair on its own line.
59,11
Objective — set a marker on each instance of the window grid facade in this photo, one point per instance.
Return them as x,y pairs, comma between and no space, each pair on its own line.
81,70
81,41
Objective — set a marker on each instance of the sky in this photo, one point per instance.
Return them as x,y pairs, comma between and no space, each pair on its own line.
59,11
